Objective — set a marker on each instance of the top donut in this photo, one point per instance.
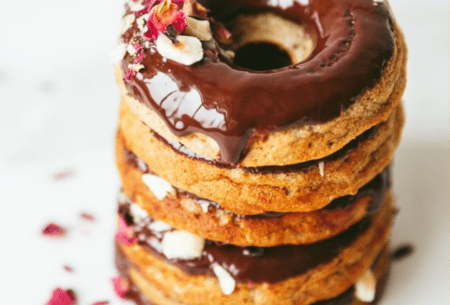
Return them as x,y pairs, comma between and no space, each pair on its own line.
261,82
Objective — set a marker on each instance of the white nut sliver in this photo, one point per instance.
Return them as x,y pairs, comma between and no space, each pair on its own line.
182,245
281,3
160,226
187,51
158,186
198,28
137,213
226,281
365,287
142,22
321,168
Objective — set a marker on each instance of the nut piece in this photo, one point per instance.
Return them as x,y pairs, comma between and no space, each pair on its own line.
158,186
160,226
198,28
187,51
365,287
226,281
137,213
281,3
182,245
321,168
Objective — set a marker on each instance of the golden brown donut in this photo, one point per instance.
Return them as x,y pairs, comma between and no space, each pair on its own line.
243,192
182,212
326,281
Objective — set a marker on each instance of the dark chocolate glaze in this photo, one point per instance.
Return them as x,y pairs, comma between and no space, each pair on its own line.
269,264
353,42
402,252
122,264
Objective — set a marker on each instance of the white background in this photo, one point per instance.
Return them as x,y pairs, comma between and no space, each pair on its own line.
58,112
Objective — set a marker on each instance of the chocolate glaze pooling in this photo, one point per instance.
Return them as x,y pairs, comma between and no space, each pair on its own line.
270,264
135,295
354,40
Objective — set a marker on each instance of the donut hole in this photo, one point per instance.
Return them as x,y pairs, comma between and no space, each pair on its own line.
267,41
261,56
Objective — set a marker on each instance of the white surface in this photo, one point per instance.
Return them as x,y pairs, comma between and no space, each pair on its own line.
58,112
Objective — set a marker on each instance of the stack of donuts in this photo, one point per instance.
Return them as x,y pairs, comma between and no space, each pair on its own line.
254,147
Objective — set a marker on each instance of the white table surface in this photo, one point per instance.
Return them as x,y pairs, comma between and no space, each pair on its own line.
58,112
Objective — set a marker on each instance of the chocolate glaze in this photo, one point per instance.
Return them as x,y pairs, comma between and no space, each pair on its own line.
376,189
270,264
122,264
354,40
402,252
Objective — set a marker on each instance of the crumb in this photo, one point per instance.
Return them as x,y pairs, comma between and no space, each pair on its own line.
402,252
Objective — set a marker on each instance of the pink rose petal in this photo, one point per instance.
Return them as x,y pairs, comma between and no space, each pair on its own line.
161,16
121,286
54,230
124,233
87,216
140,52
61,297
68,269
129,75
101,303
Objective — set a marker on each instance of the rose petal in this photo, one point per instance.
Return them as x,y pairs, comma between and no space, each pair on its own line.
129,75
161,16
87,216
140,52
61,297
124,233
54,230
100,303
121,286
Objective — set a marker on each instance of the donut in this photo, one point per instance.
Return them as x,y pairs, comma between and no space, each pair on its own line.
351,81
254,145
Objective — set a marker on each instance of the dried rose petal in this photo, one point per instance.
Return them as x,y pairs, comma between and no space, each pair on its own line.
54,230
87,216
222,34
61,297
129,75
121,286
101,303
139,51
124,233
63,175
68,269
161,16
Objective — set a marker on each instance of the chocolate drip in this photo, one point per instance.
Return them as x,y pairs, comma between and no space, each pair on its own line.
272,264
354,41
122,264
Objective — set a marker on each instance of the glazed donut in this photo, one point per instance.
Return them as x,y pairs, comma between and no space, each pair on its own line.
347,77
254,146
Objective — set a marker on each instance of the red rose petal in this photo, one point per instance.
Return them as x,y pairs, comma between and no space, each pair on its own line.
87,216
68,269
101,303
63,175
61,297
161,16
124,233
54,230
129,75
140,52
121,286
